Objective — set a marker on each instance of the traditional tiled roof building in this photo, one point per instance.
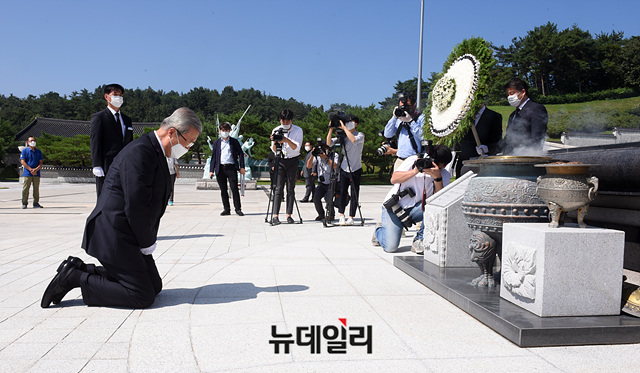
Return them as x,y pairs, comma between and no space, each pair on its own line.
68,128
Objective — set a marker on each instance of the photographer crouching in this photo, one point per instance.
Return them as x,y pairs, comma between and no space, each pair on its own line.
321,162
285,143
351,165
416,179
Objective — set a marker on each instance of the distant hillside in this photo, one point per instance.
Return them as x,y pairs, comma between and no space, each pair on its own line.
594,116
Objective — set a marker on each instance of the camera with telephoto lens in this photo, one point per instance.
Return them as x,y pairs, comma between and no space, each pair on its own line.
393,205
278,135
388,143
320,148
426,159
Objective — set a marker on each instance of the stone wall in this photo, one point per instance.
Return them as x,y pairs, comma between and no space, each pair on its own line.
189,174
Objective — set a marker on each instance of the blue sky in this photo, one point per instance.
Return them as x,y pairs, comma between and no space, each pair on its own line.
318,52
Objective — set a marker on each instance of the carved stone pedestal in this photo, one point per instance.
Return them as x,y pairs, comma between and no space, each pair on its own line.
446,234
564,271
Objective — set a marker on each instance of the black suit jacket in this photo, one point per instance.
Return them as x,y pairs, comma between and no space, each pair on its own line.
489,130
107,139
236,153
133,199
527,128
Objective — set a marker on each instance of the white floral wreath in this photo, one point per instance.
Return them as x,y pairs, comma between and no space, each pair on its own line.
452,95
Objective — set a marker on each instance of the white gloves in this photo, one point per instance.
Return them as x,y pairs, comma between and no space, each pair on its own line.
98,171
482,150
148,250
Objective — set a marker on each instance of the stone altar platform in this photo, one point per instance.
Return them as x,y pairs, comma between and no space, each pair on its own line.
515,323
566,271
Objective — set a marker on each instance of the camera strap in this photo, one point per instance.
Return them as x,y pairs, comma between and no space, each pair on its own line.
407,126
424,194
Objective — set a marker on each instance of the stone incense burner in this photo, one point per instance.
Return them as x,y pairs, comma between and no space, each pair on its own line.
567,187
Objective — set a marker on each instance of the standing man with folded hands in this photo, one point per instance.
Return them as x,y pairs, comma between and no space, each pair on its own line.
110,132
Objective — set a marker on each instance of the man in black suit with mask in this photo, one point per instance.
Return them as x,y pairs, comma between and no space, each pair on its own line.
122,230
488,125
110,132
527,126
227,159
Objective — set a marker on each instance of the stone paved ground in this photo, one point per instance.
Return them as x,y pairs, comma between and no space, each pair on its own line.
227,281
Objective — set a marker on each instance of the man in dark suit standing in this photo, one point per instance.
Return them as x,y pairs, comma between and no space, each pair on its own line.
110,132
488,125
527,126
122,230
227,158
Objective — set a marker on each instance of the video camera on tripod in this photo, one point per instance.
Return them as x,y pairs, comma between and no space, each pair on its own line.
278,135
334,122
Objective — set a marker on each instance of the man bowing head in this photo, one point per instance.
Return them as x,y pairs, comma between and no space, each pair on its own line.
122,230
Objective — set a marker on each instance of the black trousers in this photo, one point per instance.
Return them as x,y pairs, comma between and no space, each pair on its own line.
99,183
113,286
229,173
310,185
322,190
287,172
173,186
345,183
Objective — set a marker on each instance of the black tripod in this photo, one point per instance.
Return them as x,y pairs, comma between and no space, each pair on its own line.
276,169
338,148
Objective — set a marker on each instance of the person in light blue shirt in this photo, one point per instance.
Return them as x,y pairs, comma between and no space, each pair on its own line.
406,123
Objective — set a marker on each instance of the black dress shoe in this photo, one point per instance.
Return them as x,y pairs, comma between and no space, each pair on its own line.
225,212
319,218
239,213
60,285
304,200
275,221
290,220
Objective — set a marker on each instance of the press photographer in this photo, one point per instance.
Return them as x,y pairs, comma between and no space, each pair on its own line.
416,179
405,125
322,165
285,143
352,142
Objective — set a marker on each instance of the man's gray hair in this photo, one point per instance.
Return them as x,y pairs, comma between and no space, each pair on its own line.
183,119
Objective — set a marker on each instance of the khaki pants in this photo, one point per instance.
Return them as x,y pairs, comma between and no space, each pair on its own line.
28,180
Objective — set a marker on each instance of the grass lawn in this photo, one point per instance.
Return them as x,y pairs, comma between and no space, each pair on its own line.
621,105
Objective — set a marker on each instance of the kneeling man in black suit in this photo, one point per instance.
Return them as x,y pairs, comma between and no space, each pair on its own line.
122,230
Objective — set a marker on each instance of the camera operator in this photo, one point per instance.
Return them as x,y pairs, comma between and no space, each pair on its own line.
406,123
288,138
321,162
411,188
351,166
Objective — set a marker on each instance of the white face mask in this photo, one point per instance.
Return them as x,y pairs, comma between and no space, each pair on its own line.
350,125
224,134
286,126
178,150
307,148
513,99
32,144
116,101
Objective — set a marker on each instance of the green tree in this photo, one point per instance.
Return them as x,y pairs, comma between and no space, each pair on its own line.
67,151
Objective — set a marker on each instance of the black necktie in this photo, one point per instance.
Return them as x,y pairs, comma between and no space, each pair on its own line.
118,122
